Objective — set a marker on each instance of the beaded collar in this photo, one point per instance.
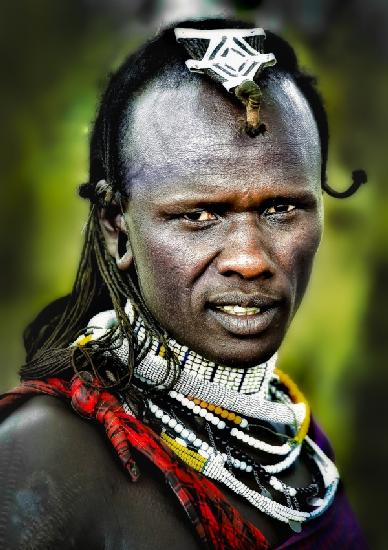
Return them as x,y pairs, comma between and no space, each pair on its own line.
244,391
249,381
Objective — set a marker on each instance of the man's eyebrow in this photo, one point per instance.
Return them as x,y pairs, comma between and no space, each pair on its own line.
202,200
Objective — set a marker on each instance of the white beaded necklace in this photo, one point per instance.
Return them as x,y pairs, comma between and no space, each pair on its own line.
234,432
243,391
215,468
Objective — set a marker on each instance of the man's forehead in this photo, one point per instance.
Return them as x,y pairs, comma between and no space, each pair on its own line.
194,129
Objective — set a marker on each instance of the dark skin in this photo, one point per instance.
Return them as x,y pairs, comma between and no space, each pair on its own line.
228,218
214,218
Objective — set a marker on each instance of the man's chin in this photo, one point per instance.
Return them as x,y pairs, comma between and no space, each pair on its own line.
243,353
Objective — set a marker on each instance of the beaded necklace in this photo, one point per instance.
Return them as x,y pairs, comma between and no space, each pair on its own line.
229,401
242,391
211,460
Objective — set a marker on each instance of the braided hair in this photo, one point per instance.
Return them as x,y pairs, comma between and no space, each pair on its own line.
99,284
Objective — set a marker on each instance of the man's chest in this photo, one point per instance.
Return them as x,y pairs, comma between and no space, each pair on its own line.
147,514
143,515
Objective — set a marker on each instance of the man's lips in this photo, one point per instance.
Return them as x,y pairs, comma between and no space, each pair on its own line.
244,314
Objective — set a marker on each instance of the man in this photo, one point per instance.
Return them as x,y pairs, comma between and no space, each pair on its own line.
206,216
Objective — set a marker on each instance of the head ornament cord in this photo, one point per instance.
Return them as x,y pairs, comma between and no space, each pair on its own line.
233,57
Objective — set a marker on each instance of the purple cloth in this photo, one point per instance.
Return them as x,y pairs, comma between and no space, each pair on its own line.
337,528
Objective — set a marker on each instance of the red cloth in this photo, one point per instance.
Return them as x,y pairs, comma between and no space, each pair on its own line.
218,525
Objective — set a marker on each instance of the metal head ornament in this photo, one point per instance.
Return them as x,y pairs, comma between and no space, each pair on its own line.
233,57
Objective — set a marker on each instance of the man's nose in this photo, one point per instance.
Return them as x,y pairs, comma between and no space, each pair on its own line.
246,252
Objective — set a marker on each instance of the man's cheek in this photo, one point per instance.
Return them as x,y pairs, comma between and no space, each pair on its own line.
298,249
164,280
302,265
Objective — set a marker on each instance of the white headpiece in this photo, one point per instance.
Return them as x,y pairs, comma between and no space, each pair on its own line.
234,55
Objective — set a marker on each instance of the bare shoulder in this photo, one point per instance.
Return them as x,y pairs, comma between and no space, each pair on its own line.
47,476
62,487
44,432
45,426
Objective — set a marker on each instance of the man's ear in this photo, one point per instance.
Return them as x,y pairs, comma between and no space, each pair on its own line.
115,232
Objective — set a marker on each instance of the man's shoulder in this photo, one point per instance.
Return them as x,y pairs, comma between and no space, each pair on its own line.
49,462
45,433
59,474
43,426
34,412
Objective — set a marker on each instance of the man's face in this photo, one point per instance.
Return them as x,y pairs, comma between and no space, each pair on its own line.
223,227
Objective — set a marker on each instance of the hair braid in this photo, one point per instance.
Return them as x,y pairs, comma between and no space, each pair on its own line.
53,354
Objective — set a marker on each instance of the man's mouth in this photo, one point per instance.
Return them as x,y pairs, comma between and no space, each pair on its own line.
242,314
238,310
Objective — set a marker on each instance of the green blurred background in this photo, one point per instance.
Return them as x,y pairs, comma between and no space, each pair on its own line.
55,59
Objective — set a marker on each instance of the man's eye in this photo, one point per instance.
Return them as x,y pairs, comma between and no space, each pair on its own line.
200,216
280,209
